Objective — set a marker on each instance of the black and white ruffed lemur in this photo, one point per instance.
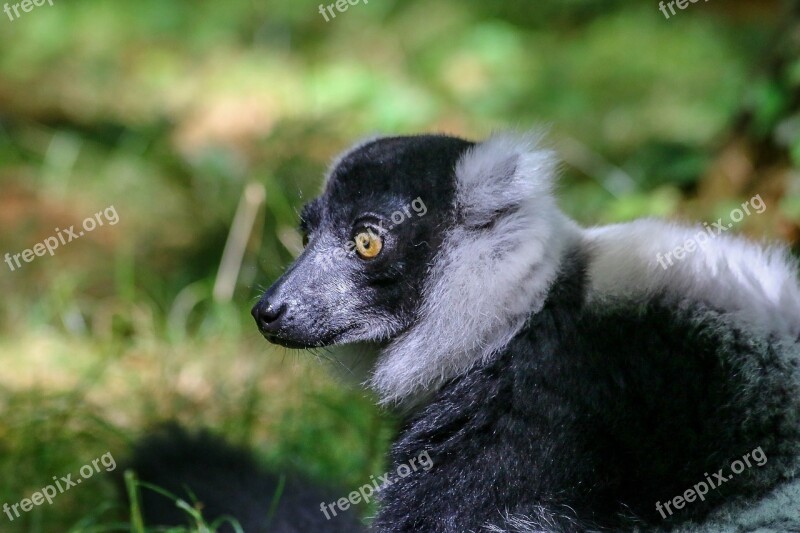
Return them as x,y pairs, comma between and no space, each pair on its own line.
561,379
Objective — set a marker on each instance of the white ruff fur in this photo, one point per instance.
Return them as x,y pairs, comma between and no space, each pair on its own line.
498,262
495,267
757,287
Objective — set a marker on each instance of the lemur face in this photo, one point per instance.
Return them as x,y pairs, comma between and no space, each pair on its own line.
370,239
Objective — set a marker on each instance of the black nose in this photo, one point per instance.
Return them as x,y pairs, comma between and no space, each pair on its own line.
268,315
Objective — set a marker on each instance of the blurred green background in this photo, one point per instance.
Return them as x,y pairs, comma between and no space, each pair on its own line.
168,110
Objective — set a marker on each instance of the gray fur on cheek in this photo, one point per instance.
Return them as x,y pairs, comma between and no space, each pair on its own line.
494,269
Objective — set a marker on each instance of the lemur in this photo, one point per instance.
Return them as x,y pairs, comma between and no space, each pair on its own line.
560,378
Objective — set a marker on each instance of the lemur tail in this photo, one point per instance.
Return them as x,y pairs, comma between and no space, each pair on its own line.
225,481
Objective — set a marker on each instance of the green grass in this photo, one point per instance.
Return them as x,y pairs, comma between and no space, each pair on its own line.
69,400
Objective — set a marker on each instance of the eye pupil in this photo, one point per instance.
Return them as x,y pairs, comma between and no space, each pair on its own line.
368,245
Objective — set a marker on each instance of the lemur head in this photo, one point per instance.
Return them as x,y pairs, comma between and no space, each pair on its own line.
369,239
433,247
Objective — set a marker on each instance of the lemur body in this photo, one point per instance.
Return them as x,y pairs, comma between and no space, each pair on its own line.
558,377
562,379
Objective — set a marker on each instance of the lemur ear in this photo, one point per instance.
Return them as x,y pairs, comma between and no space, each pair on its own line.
500,174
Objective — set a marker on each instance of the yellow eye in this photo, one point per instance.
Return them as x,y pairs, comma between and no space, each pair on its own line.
368,245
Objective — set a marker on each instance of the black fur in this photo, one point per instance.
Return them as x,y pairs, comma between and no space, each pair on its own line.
591,416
